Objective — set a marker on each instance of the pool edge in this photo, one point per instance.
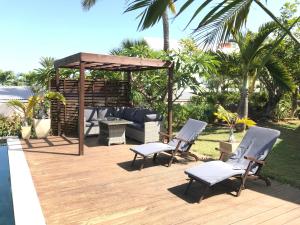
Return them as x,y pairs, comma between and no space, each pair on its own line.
26,204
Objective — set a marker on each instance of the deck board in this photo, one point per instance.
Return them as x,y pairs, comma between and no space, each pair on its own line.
102,188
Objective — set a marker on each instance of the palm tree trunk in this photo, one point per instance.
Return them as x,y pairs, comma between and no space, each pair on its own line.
165,20
294,101
243,105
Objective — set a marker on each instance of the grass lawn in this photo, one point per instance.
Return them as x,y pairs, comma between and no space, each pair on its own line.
283,163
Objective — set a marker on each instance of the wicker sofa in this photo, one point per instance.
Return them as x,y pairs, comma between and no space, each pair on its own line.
145,127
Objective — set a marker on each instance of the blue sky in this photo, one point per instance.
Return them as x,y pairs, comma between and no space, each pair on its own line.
31,29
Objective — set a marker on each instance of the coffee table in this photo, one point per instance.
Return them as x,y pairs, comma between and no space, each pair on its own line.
113,130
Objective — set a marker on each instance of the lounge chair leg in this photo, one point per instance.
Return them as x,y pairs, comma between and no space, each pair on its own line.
188,186
242,187
194,156
133,161
143,162
265,179
204,192
154,157
171,160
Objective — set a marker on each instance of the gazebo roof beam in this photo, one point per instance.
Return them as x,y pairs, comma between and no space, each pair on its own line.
117,61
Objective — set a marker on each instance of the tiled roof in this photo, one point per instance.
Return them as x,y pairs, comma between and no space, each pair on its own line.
14,92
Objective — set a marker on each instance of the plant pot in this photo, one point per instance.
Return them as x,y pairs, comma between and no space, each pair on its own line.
26,132
42,127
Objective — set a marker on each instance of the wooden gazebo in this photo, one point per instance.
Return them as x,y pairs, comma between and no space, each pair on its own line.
88,61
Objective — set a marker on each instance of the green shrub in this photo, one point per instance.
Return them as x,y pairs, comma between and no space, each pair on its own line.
283,108
10,126
199,111
229,100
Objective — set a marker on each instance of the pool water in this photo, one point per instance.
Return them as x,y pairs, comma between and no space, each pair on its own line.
6,203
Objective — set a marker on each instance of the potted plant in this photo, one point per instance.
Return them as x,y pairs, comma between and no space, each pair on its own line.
232,119
26,110
36,111
42,121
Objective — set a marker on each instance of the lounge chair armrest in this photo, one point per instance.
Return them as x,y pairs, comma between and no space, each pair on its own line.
186,141
252,159
224,151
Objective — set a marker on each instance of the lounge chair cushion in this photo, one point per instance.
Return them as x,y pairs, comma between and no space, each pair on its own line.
213,172
189,132
257,143
151,148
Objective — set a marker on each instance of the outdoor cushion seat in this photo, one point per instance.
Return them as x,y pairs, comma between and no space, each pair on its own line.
180,143
213,172
247,161
152,148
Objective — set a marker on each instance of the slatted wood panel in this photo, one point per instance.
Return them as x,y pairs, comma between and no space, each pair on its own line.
101,188
97,93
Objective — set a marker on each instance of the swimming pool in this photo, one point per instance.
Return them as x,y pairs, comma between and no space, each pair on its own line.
6,201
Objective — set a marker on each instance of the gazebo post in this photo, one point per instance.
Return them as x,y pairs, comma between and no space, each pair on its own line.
170,98
81,108
58,103
129,78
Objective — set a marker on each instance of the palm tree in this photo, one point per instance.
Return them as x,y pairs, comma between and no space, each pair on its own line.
127,44
216,24
27,108
256,56
46,72
154,9
277,81
8,78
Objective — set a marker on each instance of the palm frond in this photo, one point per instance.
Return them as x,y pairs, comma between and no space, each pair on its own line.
32,102
253,45
53,95
288,31
17,104
248,122
215,27
280,74
87,4
152,11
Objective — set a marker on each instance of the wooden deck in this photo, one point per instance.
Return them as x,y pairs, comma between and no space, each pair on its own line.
101,188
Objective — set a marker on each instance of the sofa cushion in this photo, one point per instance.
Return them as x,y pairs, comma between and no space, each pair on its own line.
153,117
119,111
139,116
92,124
104,112
137,126
129,114
90,114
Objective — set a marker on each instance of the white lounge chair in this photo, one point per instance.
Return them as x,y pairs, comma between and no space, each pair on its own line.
245,163
181,143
